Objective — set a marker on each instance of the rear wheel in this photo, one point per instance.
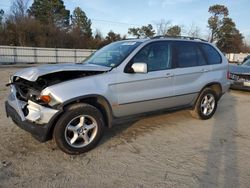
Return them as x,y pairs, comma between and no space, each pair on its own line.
79,129
206,104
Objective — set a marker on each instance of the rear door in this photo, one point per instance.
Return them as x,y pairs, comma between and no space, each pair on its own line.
191,71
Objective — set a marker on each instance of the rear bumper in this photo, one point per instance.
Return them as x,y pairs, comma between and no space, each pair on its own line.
40,132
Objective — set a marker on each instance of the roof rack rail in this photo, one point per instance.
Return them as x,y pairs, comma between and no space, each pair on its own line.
178,37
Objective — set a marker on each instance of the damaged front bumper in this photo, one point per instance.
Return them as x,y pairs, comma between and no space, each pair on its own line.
37,120
240,85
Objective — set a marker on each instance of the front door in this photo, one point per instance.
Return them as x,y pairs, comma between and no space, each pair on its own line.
144,92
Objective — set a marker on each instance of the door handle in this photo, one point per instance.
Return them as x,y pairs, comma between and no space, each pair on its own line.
204,70
169,75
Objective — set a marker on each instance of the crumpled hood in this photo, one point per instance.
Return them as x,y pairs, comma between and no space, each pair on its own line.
33,73
238,69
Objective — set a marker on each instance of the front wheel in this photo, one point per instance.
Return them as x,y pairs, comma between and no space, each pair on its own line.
79,129
206,104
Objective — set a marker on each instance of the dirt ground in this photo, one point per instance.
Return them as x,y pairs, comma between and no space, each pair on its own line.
167,150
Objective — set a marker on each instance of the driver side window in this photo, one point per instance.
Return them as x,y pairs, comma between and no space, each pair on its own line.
156,55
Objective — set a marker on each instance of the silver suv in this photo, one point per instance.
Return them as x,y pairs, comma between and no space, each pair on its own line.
73,103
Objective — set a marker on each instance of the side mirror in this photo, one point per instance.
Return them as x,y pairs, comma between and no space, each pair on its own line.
140,68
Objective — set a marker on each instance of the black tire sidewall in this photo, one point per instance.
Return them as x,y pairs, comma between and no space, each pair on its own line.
198,105
67,116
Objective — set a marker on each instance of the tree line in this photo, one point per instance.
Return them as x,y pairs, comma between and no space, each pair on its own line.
48,23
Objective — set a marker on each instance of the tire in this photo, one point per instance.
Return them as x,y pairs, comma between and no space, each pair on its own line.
79,129
205,105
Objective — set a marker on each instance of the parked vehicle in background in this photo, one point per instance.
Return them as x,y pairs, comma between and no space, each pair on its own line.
74,102
240,76
246,58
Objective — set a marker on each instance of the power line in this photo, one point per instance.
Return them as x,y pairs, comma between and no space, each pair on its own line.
114,22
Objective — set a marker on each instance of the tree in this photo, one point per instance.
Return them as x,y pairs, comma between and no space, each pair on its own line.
194,31
216,20
1,16
16,29
144,31
81,22
223,30
98,34
112,37
162,27
230,40
135,32
1,23
50,12
97,41
19,9
174,31
147,31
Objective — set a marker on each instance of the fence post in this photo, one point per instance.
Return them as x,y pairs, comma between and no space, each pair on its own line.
35,55
56,55
75,56
15,55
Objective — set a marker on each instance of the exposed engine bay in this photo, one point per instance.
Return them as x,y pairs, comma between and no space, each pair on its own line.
29,90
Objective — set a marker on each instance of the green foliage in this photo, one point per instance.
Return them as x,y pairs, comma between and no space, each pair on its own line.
1,16
219,12
135,32
50,12
111,37
81,22
223,30
174,31
229,38
144,31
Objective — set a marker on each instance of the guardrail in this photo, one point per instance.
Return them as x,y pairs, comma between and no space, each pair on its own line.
21,55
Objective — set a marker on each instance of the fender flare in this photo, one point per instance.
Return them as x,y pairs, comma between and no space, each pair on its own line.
98,101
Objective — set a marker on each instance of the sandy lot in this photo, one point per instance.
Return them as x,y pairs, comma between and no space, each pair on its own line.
166,150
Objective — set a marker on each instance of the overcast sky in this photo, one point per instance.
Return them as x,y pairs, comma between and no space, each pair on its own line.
119,15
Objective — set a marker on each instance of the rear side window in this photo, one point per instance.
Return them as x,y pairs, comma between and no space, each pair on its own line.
212,56
189,55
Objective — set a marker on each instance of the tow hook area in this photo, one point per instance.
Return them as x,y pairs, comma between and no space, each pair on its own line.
39,114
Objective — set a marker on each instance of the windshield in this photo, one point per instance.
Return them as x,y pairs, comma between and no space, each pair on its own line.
113,54
246,63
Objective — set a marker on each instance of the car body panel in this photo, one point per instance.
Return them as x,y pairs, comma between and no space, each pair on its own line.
126,93
141,88
33,73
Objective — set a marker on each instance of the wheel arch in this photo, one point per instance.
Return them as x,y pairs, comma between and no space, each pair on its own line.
216,86
98,101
